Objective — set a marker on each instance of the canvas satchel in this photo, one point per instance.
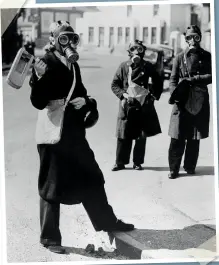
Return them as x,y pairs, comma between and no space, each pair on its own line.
196,97
50,119
135,90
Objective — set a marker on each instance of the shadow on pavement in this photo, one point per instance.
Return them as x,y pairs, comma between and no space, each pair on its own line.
195,236
199,236
200,171
96,254
177,239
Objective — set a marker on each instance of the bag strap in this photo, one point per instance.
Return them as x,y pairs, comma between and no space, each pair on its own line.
186,65
72,88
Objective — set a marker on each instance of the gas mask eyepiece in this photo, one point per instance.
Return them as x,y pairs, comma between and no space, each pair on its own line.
65,39
195,37
138,49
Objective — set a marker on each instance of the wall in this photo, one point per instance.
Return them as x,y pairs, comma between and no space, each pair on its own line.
103,20
141,16
180,17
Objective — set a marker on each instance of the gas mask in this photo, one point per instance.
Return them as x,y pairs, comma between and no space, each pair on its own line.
193,36
193,40
136,53
68,42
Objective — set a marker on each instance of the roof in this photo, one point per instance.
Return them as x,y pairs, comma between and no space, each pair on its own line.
72,9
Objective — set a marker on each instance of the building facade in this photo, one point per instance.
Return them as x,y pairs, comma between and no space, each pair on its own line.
36,22
117,26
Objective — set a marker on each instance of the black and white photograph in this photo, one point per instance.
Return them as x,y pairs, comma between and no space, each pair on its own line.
110,132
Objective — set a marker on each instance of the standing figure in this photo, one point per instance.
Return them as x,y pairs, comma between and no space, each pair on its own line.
137,118
69,173
29,45
20,39
189,122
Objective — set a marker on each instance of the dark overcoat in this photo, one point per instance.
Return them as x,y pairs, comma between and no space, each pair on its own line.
150,121
68,167
182,123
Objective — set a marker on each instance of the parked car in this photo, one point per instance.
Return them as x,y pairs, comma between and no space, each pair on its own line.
155,55
168,60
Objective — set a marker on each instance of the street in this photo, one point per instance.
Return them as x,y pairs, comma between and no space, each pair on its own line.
173,217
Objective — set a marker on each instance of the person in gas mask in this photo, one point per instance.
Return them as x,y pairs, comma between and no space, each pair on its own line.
189,122
130,85
69,173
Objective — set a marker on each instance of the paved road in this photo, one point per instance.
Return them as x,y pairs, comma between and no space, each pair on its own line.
169,213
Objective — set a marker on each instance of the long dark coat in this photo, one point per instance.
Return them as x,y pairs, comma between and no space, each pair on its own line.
182,123
150,121
69,166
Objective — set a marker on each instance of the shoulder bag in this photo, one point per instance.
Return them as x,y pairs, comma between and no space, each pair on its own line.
50,119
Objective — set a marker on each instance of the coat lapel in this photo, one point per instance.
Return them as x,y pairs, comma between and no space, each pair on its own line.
63,67
126,68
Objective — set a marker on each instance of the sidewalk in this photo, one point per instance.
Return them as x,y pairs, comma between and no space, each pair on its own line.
173,218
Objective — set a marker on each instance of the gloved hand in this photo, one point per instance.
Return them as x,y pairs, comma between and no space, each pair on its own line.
128,98
191,80
40,67
78,102
124,100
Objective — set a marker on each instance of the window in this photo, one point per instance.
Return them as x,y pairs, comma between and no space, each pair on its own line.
119,35
163,35
81,39
153,35
194,19
145,34
135,33
155,10
101,36
173,43
127,35
61,16
90,34
111,36
129,11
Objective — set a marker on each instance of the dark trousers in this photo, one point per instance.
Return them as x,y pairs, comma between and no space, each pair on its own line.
123,151
176,151
96,205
